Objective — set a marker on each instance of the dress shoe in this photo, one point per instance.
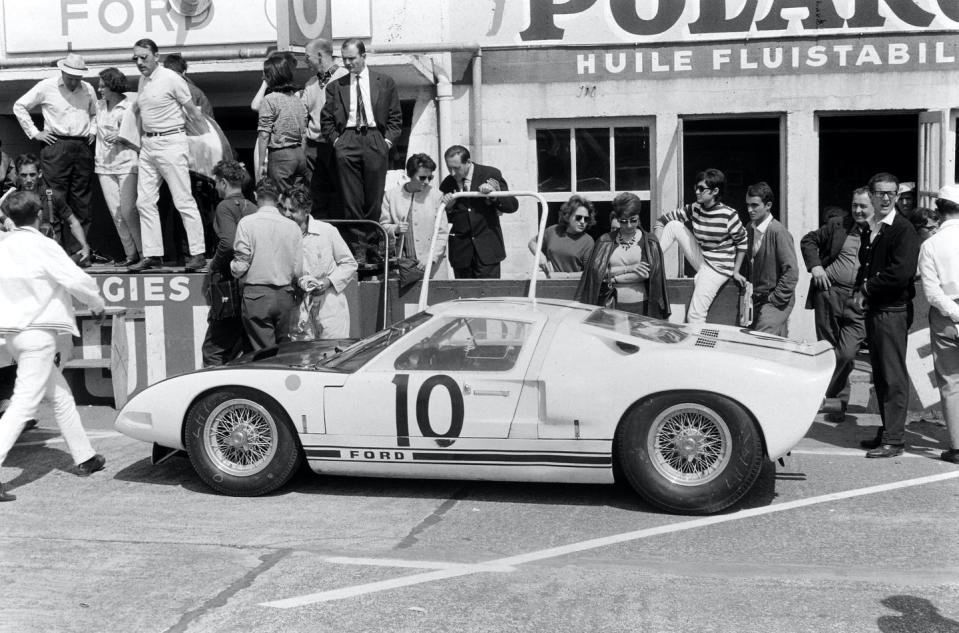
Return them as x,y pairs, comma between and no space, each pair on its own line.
6,496
194,263
951,456
835,418
145,264
130,261
875,442
886,450
31,424
91,466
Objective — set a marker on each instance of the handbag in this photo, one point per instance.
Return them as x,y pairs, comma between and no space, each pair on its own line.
407,268
746,305
224,299
607,295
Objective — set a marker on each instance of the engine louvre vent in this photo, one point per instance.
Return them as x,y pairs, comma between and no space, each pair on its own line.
707,338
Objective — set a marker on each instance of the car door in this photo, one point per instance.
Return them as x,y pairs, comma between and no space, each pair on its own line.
458,376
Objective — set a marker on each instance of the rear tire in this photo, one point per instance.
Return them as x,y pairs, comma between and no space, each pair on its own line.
689,452
241,442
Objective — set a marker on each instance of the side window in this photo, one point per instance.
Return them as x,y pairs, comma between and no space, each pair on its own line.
468,344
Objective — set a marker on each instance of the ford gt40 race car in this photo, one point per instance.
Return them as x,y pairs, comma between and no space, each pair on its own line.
501,389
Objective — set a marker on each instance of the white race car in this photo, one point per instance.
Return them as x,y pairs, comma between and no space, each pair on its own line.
501,389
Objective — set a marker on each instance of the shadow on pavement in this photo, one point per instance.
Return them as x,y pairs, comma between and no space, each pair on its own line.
922,436
38,462
918,616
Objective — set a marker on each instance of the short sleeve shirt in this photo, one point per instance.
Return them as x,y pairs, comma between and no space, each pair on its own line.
161,97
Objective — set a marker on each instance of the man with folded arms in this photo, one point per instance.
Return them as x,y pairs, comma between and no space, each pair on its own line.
37,289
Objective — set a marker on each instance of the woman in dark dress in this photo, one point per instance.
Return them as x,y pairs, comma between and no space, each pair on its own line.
626,266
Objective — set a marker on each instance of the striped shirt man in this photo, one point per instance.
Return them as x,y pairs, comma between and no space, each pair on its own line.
718,231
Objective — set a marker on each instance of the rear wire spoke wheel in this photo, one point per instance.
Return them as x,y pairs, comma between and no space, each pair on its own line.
689,452
689,444
241,442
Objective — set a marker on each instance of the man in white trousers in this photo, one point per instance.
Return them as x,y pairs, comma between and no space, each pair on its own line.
38,283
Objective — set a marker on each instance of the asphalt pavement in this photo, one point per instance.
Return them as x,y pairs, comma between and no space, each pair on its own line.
828,542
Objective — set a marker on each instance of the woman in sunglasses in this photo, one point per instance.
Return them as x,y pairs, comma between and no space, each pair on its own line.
625,270
566,244
408,214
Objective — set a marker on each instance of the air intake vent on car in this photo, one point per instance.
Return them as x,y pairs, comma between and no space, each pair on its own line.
707,338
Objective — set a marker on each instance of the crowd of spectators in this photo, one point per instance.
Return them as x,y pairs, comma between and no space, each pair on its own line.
279,268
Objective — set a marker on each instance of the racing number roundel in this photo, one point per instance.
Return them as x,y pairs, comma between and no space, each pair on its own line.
402,382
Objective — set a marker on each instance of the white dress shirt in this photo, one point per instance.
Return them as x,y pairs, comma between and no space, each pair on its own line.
364,80
37,283
939,269
65,113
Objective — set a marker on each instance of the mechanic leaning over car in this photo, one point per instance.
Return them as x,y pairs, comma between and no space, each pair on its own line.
36,287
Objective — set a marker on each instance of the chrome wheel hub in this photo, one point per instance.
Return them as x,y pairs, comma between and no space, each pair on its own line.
240,437
689,444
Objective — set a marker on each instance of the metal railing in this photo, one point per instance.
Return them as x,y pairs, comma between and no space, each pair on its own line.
386,261
441,214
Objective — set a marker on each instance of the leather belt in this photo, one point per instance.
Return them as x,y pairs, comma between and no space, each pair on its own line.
175,130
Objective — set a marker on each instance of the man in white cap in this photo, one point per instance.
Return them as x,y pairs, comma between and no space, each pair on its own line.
906,204
939,269
69,108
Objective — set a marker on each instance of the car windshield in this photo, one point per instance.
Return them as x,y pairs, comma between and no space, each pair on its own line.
635,325
361,352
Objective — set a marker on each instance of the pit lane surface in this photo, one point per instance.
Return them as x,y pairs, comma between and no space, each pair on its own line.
830,542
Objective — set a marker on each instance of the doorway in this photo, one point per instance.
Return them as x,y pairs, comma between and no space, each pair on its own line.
854,147
746,149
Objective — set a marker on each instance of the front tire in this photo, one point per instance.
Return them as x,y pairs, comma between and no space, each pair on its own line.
690,452
241,442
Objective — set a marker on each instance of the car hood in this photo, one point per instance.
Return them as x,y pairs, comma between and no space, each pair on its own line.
301,354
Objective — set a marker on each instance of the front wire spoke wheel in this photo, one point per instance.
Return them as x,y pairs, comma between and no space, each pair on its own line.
240,437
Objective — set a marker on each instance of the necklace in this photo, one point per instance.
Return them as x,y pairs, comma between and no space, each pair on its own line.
626,244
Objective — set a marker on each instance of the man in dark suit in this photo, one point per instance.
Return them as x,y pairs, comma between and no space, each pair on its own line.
888,257
362,120
476,238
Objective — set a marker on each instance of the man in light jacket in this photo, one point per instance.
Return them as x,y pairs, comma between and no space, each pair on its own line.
36,287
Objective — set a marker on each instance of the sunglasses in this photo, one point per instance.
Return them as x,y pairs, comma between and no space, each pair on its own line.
581,218
424,178
702,188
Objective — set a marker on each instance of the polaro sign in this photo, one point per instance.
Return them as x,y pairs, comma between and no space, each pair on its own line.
629,21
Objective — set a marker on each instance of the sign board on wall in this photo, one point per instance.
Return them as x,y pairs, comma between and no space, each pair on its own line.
892,53
109,24
610,22
84,25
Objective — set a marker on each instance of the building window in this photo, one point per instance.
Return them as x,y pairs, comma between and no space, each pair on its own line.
596,158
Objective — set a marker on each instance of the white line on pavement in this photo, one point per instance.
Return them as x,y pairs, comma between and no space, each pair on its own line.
844,452
582,546
414,564
93,435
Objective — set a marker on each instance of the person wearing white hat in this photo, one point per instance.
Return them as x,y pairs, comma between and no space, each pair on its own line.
906,203
69,108
939,269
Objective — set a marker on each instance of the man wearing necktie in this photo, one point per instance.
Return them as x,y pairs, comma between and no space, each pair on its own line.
362,120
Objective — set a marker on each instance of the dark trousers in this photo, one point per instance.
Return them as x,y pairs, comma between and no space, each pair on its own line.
224,341
287,165
361,161
266,314
852,332
324,184
887,331
827,308
477,270
770,319
67,166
